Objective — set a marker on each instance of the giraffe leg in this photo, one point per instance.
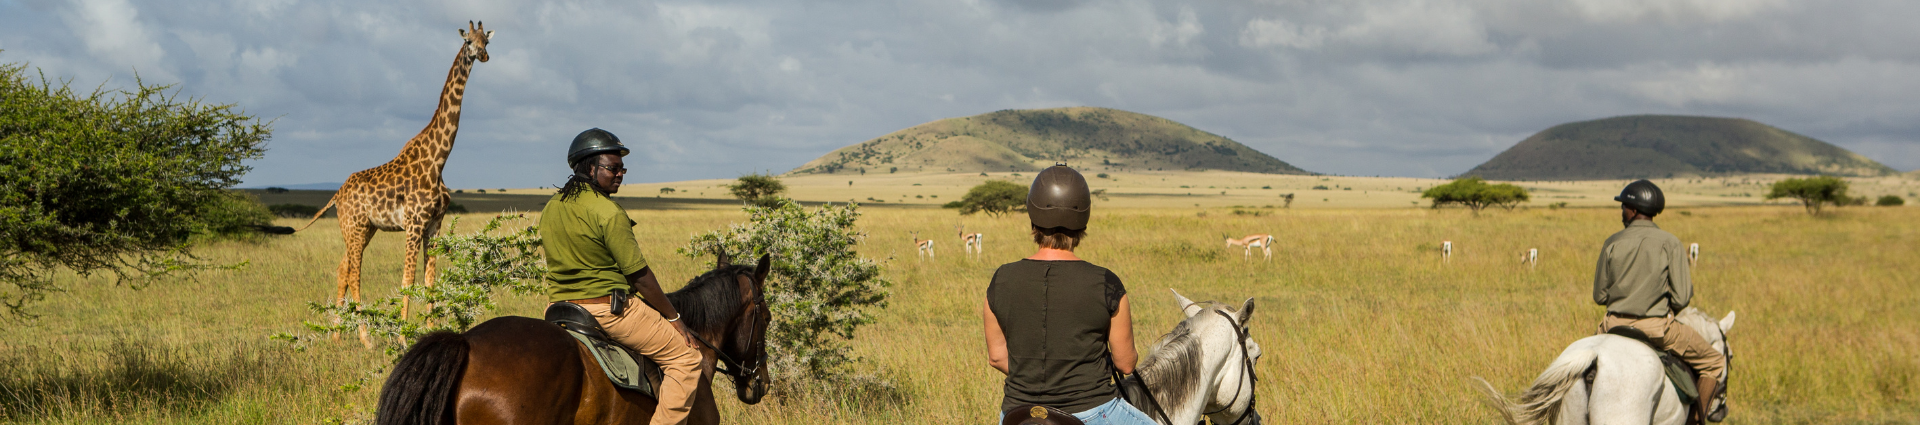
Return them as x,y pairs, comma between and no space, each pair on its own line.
416,244
426,249
356,235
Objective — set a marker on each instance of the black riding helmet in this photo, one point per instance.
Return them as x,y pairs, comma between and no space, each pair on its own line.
1643,196
592,142
1059,198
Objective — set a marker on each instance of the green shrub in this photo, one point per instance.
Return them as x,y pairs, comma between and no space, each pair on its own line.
115,181
1890,201
819,291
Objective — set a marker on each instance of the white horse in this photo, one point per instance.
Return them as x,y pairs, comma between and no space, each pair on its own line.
1204,367
1627,384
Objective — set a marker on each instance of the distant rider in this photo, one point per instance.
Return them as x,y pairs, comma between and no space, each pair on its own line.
594,260
1642,278
1057,325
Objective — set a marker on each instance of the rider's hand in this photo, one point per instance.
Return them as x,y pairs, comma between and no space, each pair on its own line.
682,326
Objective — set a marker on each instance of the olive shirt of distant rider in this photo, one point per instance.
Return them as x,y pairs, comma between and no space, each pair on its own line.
593,257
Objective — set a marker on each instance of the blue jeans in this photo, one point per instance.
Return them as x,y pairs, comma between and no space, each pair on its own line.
1116,412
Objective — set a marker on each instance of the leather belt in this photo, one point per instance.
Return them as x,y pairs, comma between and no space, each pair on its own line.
1633,317
603,299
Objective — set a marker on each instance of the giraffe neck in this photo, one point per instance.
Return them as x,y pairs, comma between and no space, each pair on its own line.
435,142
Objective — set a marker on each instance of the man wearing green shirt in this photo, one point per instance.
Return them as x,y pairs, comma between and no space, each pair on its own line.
1643,280
593,260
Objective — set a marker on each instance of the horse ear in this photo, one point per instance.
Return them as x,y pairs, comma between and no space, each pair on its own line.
1727,323
1246,312
760,271
1184,303
721,259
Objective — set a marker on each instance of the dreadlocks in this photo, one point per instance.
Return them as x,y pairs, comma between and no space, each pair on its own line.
578,181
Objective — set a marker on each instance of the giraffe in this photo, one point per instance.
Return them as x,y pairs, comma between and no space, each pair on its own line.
405,194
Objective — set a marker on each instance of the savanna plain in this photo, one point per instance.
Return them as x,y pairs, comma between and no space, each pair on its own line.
1358,317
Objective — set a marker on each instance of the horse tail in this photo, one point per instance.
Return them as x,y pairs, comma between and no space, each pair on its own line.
316,215
1540,404
420,389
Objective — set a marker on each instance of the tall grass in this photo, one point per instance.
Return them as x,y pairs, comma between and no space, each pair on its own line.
1359,319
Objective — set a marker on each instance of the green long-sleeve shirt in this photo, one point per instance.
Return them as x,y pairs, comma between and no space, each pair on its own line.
1642,272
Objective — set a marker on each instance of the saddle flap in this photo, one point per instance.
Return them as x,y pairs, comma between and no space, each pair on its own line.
575,318
622,366
1033,414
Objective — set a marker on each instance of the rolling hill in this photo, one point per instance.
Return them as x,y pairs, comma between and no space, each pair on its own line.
1027,140
1664,146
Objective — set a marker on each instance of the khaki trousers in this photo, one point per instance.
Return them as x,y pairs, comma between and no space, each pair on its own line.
642,329
1671,335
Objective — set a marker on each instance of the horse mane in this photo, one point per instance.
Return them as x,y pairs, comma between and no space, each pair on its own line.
1173,359
711,299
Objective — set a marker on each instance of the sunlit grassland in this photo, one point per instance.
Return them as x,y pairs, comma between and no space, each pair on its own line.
1358,318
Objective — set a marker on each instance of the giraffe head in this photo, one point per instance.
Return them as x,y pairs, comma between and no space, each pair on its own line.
476,36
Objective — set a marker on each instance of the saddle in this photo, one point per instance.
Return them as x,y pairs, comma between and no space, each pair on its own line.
1033,414
620,364
1679,373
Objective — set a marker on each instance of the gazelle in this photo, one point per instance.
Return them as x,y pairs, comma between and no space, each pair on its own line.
970,242
1446,251
924,245
1262,241
1693,254
1531,258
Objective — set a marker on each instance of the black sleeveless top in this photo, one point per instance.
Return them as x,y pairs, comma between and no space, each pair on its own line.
1056,315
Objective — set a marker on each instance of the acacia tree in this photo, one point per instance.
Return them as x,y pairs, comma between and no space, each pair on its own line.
119,181
1476,194
995,197
1812,191
758,189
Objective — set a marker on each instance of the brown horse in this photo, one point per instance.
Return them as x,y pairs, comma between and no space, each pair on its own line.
521,370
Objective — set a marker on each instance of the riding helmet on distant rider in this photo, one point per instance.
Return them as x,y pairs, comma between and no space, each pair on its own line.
1643,196
1059,198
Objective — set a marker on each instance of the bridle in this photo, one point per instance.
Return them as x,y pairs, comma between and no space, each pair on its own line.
1252,380
730,367
1727,341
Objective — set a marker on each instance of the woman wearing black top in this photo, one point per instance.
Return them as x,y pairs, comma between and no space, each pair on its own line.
1056,325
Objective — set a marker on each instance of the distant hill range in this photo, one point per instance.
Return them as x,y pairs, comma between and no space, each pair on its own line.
1664,146
1028,140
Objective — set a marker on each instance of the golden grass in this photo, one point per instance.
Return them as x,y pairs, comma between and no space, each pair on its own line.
1359,320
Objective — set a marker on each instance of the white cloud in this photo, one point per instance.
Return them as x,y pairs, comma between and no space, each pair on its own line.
112,31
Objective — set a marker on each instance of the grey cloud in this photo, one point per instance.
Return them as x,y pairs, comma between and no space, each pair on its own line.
718,89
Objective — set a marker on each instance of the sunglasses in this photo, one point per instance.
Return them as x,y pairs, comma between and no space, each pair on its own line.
615,171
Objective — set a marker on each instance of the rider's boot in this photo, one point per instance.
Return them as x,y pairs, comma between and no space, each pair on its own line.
1708,385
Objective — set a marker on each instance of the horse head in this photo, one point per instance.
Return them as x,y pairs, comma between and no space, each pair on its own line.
1230,399
1715,332
750,335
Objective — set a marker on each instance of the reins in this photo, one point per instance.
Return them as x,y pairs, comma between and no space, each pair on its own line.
1253,380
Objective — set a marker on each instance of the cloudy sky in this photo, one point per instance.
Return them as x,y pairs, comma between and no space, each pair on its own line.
719,89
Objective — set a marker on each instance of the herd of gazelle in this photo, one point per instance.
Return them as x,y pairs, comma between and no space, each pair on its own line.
969,243
1531,258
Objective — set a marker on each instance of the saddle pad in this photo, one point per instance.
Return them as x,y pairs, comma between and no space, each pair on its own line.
621,366
1678,372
